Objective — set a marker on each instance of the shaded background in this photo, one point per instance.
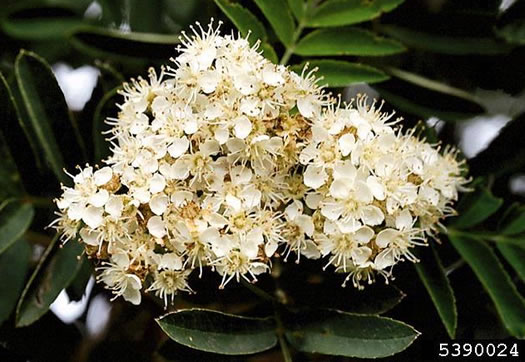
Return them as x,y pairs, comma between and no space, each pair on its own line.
93,46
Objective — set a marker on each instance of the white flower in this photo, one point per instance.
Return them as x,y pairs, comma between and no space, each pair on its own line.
123,284
220,160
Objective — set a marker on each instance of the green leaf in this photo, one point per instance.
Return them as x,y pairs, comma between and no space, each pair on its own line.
19,132
476,207
515,256
218,332
77,288
409,105
495,280
298,8
338,73
13,135
48,114
432,274
442,44
322,292
10,183
243,19
15,219
346,41
14,264
269,53
430,84
101,42
513,33
350,335
505,154
56,269
105,108
346,12
41,23
280,18
513,222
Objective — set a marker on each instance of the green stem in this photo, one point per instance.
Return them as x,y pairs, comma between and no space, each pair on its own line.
258,291
42,202
297,34
454,266
290,49
287,356
280,327
37,238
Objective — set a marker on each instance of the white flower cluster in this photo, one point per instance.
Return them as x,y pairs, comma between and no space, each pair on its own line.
224,159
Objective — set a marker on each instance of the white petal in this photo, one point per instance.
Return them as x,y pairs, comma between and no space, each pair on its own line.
271,76
157,183
92,216
114,206
345,170
156,226
242,127
222,134
404,220
210,147
372,215
251,197
362,193
216,220
103,176
377,188
132,295
331,211
319,134
213,111
308,154
241,175
191,126
158,204
361,255
142,194
233,202
311,251
384,259
246,84
270,248
429,194
306,224
250,245
307,106
349,226
385,237
293,210
313,199
346,144
170,261
121,259
250,106
90,237
364,234
180,198
209,80
340,189
99,199
179,147
180,170
235,145
314,177
75,211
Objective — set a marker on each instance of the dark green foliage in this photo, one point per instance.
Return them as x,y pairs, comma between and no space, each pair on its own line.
425,60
